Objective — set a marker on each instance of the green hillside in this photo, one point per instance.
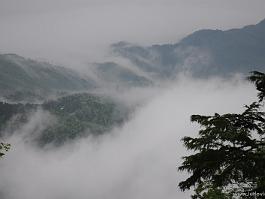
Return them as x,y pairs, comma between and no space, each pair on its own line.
80,115
25,78
77,115
9,111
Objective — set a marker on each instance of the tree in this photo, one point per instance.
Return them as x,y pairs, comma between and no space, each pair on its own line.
229,151
4,148
258,79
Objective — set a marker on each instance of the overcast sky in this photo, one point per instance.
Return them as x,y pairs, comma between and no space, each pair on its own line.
62,30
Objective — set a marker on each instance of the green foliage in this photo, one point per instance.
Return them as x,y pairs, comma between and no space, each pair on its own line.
258,79
80,115
4,147
208,191
76,116
8,111
229,151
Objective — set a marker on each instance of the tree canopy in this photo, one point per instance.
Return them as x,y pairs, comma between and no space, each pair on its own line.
229,156
4,148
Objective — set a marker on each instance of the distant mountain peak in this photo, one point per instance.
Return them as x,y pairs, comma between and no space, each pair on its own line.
121,44
262,22
204,52
11,56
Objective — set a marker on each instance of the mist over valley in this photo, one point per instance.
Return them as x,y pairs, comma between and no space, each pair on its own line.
110,124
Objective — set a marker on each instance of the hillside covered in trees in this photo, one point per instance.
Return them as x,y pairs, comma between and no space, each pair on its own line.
75,116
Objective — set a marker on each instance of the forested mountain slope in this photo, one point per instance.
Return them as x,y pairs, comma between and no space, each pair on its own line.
25,78
75,116
203,53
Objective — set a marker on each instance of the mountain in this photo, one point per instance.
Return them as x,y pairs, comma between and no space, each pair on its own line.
76,115
116,75
74,112
80,115
203,53
25,78
17,113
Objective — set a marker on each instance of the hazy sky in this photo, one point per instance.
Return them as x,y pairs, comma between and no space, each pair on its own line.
63,30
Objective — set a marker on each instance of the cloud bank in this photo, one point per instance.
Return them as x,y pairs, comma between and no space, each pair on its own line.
137,160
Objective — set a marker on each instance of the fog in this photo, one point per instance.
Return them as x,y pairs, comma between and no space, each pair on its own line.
73,32
137,160
140,158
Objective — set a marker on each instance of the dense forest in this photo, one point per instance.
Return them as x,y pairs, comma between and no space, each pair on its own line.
75,116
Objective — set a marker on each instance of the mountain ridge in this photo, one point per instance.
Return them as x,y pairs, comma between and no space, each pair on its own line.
20,75
204,52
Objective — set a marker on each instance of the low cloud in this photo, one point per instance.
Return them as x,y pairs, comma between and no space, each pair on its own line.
137,160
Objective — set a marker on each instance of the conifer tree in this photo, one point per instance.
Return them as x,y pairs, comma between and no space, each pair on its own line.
229,156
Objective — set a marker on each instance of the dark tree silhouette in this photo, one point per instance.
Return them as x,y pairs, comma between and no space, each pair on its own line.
258,79
4,148
229,151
